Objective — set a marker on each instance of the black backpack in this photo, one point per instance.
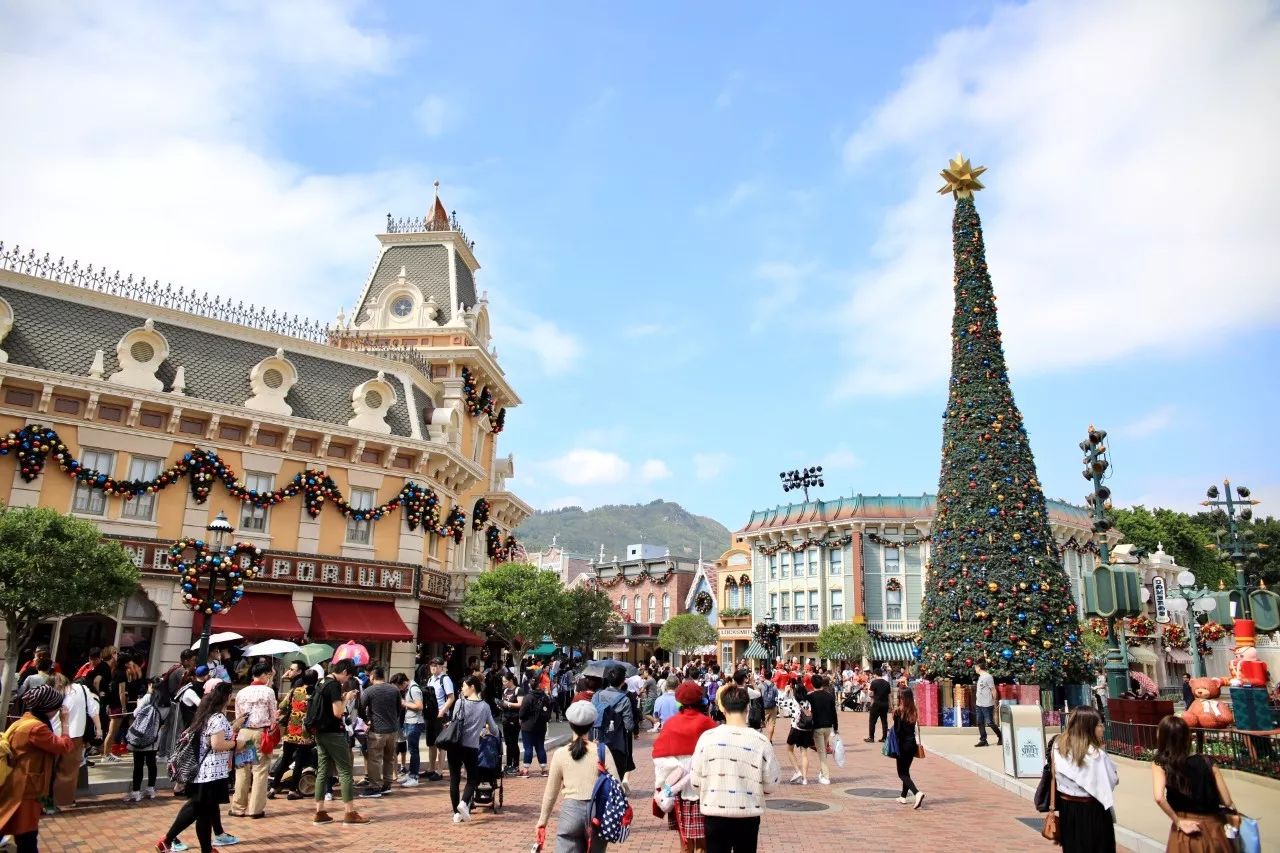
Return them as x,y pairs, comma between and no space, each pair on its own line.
613,732
1046,779
315,709
755,714
544,709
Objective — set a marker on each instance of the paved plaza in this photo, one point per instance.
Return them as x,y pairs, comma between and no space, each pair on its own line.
960,810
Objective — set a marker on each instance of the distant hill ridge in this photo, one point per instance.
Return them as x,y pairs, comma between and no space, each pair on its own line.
661,523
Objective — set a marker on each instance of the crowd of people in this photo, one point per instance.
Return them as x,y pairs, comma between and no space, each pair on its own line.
294,735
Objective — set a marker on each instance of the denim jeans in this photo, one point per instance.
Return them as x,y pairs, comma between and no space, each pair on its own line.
535,741
413,737
986,717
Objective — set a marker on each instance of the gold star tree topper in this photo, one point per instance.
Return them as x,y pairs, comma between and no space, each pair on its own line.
961,177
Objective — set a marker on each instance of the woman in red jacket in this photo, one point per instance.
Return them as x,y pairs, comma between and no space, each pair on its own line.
34,747
675,742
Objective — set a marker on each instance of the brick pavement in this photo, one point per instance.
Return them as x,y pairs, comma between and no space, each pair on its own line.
960,810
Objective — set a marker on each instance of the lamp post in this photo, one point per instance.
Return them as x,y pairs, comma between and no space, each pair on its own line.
1096,465
1186,597
220,529
1228,509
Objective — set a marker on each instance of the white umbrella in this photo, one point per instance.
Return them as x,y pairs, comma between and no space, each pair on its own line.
271,648
220,637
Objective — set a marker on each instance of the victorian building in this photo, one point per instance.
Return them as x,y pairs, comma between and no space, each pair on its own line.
361,459
648,587
861,559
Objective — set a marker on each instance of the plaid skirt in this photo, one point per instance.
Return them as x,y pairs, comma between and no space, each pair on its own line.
689,819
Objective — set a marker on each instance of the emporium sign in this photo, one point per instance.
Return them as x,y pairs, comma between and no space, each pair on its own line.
286,567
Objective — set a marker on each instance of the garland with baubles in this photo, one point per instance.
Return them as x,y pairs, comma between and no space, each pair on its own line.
237,564
1212,632
885,636
880,540
499,550
480,402
770,550
702,602
479,514
637,579
767,633
33,445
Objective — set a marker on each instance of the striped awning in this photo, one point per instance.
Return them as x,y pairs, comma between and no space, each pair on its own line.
1177,656
893,650
755,651
1142,654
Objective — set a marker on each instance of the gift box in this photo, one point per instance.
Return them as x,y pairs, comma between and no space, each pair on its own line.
1006,691
1077,695
927,702
949,717
1252,712
962,696
1028,694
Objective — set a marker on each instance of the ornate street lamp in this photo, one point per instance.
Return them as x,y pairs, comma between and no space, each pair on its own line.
1186,597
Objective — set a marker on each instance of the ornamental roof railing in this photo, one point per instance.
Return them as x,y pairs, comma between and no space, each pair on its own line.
424,224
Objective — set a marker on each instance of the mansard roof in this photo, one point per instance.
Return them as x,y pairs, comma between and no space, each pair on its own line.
880,508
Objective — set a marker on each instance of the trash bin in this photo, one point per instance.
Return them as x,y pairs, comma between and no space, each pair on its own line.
1022,728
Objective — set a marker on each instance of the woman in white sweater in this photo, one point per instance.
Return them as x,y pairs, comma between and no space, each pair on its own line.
1086,779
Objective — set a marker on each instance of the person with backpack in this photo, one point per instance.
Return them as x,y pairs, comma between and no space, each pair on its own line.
713,689
201,764
28,750
755,701
188,697
440,698
769,703
298,747
534,715
575,771
415,723
615,720
333,748
509,707
673,748
143,738
81,705
473,716
732,770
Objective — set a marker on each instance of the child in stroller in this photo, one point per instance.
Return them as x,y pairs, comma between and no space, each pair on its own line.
488,791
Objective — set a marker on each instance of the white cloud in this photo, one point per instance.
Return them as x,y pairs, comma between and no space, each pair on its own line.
561,503
581,467
780,285
435,115
841,458
1147,426
740,194
708,466
653,470
1124,204
556,350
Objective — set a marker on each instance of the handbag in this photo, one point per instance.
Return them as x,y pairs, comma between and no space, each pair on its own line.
1041,798
919,744
1050,829
451,735
890,747
1248,840
271,739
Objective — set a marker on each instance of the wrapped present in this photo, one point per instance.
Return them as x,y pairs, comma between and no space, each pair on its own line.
949,717
1006,691
962,696
946,694
1028,694
1252,712
927,702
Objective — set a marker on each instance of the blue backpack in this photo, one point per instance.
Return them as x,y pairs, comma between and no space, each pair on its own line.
609,816
611,726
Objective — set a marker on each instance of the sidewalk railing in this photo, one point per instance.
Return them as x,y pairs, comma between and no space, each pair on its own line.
1245,751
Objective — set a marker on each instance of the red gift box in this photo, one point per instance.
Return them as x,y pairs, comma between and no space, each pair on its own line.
1028,694
927,702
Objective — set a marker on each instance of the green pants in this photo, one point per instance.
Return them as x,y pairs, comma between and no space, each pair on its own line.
333,748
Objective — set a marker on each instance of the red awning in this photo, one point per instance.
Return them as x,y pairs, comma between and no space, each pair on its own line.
436,626
345,619
257,616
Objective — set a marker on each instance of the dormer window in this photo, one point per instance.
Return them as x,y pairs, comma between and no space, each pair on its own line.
402,306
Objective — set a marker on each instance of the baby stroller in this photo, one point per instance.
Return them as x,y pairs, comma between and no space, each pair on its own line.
488,790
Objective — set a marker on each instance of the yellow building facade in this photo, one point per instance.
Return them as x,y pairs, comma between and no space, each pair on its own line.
361,458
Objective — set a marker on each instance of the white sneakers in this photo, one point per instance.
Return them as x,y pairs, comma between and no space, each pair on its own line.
795,780
919,800
409,782
133,797
463,814
823,780
149,792
903,801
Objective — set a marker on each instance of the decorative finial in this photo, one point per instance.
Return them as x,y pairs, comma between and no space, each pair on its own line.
961,177
437,186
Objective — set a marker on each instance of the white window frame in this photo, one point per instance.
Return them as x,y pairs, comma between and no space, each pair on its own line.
786,564
813,562
892,566
746,595
623,603
653,608
786,607
639,612
773,605
257,519
143,506
666,606
90,501
773,567
733,596
360,532
815,608
835,561
893,609
837,605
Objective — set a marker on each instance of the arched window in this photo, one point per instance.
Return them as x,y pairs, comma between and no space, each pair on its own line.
653,608
666,606
622,603
746,595
733,594
638,613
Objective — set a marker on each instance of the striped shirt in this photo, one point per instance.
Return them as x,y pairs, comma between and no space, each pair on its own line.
733,768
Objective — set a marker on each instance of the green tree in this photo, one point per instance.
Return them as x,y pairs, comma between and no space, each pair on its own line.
685,633
997,592
844,641
515,602
1179,535
1095,644
54,565
585,619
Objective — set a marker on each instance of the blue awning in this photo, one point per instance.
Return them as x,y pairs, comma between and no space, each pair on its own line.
902,651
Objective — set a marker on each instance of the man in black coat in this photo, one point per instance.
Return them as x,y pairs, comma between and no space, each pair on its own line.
880,690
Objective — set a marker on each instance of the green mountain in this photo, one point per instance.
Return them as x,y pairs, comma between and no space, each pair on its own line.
659,523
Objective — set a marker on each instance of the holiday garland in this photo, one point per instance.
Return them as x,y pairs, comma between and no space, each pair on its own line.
1212,632
499,550
239,563
481,402
637,579
1175,636
33,445
767,633
479,514
770,550
906,543
1141,627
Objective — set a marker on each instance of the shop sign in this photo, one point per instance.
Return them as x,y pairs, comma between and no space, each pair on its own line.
1158,597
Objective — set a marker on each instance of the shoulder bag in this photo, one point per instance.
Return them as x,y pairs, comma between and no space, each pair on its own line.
451,735
1050,829
919,742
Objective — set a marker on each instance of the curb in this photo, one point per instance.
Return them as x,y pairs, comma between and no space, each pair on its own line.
1135,841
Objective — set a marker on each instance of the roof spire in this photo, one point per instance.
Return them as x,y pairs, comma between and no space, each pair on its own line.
438,218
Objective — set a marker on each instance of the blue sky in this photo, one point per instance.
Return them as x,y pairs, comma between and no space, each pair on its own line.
710,236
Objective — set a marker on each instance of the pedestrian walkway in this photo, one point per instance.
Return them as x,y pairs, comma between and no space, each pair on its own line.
1136,811
856,810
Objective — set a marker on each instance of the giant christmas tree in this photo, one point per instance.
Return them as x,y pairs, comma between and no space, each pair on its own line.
996,592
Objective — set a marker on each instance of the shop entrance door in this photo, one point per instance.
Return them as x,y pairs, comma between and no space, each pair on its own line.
80,633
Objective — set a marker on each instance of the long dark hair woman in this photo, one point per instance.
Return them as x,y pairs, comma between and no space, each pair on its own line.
474,715
1191,791
1086,779
209,789
905,720
573,776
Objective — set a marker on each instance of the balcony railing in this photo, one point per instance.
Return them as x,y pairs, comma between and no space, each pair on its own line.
895,626
422,225
1251,753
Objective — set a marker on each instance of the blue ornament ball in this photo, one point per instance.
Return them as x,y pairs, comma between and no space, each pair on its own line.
1007,654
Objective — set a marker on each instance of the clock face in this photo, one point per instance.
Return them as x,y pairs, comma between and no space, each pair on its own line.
402,306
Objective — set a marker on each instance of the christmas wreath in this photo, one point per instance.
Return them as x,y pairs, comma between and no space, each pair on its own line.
241,562
1175,636
702,602
767,633
1141,627
1212,632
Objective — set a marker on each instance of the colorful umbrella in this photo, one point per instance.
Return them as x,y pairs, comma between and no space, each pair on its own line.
312,654
1144,681
352,651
